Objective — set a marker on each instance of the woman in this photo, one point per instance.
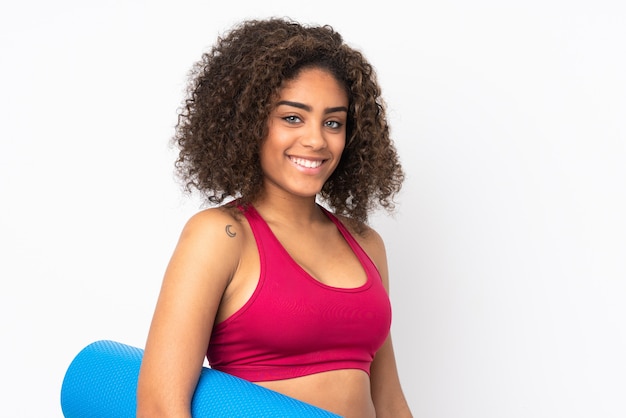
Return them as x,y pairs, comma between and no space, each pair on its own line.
270,285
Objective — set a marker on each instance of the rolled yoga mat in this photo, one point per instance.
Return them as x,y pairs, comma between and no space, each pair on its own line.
101,381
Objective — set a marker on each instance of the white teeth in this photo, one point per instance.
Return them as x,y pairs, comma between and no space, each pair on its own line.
306,163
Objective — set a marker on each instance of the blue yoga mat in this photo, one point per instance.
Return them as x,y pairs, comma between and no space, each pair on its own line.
101,382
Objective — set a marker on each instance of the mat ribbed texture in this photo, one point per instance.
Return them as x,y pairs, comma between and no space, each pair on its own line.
101,382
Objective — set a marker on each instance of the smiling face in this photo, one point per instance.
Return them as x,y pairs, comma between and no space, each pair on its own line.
306,134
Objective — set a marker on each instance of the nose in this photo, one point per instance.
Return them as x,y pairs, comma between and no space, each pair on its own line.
314,138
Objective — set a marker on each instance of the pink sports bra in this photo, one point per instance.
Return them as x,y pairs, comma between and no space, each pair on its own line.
293,325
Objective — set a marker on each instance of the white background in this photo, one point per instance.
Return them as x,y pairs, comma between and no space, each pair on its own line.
507,253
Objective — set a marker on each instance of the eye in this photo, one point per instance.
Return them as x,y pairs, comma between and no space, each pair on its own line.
292,119
334,124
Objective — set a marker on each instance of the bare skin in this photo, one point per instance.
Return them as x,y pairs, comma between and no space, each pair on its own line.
215,266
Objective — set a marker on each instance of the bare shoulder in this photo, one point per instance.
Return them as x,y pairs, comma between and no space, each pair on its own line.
213,217
219,223
214,234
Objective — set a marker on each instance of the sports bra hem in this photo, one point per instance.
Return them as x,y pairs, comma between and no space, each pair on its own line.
270,373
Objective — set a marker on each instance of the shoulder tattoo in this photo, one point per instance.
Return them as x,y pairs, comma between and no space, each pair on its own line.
229,232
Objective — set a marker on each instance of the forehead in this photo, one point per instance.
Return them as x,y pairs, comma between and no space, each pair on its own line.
314,83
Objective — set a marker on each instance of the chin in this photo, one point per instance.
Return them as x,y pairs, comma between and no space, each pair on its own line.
305,192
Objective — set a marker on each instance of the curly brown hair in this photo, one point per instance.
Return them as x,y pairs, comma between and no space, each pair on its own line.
232,91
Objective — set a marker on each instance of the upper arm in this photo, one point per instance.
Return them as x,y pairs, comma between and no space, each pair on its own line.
203,262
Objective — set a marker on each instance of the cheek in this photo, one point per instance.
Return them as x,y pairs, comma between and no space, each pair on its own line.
270,153
339,145
276,140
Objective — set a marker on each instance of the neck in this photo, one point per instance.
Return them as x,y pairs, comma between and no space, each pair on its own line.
292,210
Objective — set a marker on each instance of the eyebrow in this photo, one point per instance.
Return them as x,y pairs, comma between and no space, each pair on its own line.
309,108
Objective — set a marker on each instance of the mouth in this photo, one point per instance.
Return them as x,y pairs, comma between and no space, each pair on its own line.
306,163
